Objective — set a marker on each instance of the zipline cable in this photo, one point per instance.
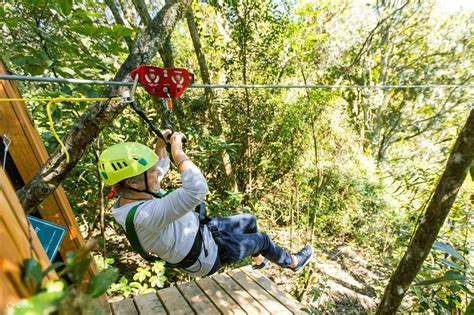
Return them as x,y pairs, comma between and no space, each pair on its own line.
237,86
322,86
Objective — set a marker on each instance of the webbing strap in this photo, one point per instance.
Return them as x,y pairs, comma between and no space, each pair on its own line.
132,235
157,131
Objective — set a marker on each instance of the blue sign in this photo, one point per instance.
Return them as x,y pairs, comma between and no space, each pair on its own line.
50,235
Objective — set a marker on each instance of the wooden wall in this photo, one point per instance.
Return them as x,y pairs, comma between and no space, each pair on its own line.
14,240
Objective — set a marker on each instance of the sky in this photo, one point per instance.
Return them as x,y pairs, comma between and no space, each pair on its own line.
455,5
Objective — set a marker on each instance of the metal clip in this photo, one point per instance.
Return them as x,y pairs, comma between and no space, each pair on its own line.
130,99
6,143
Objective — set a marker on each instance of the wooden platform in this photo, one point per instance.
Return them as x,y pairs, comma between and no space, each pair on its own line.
240,291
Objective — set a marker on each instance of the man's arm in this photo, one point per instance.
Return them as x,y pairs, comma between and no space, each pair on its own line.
185,199
181,160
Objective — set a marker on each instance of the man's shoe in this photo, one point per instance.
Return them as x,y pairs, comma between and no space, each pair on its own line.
304,257
263,265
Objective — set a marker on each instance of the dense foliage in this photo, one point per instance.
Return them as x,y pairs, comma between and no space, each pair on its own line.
72,293
353,165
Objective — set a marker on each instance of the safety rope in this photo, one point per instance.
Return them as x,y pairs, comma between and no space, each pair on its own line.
239,86
57,100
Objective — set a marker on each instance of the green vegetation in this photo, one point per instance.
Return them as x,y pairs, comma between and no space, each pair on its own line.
336,166
72,293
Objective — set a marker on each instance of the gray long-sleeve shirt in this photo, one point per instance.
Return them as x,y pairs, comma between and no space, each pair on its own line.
167,227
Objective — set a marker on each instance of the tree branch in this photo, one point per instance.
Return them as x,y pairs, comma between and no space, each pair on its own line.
115,8
142,10
368,39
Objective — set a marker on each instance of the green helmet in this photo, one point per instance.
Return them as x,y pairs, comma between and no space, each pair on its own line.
125,160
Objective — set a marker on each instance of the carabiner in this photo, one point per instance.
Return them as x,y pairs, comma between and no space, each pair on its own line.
6,142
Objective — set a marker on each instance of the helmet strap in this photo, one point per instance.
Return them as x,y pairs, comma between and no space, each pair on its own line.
146,190
146,185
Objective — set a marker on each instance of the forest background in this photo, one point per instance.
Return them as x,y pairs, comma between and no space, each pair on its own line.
340,168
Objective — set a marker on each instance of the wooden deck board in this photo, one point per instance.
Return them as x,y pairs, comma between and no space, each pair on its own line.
242,297
174,302
198,300
124,307
149,304
240,291
220,298
258,293
281,295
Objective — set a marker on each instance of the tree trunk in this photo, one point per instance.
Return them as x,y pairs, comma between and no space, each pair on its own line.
448,186
166,52
213,112
99,115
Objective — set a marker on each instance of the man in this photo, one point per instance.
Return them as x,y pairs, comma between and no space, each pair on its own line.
169,227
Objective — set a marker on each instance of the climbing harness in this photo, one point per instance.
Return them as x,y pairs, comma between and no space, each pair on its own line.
193,255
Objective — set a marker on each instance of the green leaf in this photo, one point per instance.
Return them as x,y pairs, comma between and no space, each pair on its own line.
86,29
32,271
466,289
43,303
53,266
121,31
142,274
123,280
70,258
451,264
6,57
157,281
470,308
448,276
20,61
66,6
77,270
158,267
34,69
102,281
55,286
66,71
136,285
445,248
149,290
119,287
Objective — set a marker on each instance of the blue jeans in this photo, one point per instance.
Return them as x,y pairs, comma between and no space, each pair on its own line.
242,239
